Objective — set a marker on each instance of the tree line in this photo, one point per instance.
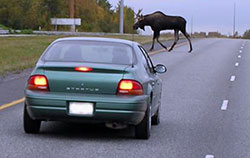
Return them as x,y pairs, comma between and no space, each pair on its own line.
96,15
246,34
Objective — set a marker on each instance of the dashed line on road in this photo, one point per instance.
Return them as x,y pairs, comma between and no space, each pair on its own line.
224,105
4,106
209,156
237,64
239,56
240,51
232,78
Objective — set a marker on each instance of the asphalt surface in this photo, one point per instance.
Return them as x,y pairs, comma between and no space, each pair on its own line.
194,124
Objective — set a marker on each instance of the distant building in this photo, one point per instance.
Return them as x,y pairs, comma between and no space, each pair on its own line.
214,34
200,34
203,34
167,34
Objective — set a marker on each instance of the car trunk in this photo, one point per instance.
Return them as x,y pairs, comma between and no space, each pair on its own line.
102,79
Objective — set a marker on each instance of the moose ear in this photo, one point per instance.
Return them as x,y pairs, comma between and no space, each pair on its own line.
142,17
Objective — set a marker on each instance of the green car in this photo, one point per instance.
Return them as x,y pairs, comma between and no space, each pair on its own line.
97,80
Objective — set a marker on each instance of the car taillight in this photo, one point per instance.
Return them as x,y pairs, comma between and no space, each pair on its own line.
38,82
129,87
83,69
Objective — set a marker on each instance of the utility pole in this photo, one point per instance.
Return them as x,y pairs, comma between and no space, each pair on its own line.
121,16
234,17
192,25
72,13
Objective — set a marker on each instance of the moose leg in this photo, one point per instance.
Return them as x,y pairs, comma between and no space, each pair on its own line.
153,43
188,38
157,38
176,37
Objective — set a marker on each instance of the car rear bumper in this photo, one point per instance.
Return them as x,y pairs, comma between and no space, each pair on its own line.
108,108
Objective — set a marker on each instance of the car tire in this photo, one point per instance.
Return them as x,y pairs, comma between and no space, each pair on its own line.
142,130
156,118
30,125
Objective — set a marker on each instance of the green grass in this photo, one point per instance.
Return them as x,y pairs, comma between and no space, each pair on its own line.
3,27
19,53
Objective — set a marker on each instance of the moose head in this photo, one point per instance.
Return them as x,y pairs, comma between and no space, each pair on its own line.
139,18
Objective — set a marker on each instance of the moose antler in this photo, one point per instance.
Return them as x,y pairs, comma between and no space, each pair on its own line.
139,11
138,15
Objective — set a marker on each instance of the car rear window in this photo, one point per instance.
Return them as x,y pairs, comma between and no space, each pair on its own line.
89,51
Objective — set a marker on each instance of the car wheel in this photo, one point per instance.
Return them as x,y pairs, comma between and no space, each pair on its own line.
142,130
156,118
30,125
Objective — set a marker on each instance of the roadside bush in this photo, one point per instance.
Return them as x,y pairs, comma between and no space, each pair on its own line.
26,31
11,31
3,27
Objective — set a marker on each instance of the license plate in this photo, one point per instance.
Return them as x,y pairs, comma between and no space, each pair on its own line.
81,108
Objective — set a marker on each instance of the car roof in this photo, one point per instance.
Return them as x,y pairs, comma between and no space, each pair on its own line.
98,39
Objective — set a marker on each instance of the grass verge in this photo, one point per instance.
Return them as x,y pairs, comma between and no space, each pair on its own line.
19,53
3,27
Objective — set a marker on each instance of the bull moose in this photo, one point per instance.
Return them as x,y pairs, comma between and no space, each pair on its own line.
158,21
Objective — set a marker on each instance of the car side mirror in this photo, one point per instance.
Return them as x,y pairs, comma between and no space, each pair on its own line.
160,68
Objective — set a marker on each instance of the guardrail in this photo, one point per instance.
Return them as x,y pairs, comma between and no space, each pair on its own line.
4,31
69,33
78,33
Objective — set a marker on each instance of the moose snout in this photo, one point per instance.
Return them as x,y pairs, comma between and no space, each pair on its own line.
135,27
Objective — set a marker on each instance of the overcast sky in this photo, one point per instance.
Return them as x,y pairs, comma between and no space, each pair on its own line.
208,15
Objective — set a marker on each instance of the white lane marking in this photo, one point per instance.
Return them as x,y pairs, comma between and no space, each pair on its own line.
240,51
224,105
239,56
232,78
241,47
237,64
209,156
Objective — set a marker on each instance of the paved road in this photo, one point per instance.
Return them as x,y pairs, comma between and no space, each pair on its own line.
194,124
